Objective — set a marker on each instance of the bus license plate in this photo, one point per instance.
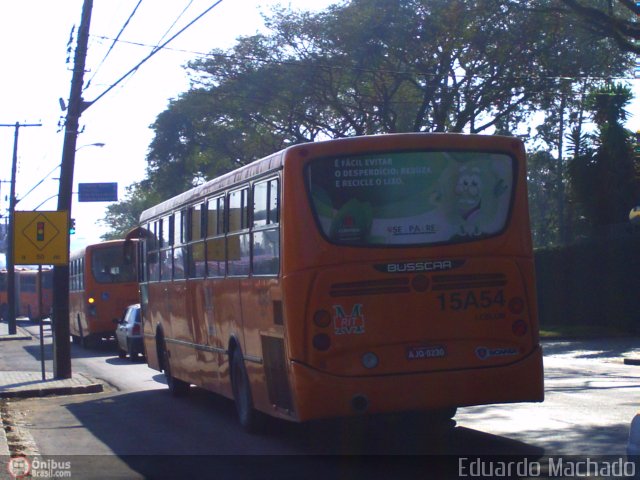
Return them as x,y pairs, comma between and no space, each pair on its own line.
423,352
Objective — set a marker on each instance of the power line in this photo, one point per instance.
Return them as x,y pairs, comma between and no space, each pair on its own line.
39,183
153,52
242,59
169,29
174,23
115,40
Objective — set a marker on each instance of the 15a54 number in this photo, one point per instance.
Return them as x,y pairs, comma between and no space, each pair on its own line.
471,299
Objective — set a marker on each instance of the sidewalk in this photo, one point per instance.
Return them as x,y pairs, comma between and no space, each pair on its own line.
25,384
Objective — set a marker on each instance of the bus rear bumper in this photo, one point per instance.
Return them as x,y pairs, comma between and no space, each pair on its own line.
320,395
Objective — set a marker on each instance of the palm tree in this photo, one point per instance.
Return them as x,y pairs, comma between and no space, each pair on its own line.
605,179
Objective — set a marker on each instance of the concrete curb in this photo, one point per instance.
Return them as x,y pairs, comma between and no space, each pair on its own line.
30,384
20,334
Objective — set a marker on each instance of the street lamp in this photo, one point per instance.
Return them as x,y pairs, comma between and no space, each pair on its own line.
97,144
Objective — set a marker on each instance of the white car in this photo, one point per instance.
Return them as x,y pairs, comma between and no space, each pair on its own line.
129,333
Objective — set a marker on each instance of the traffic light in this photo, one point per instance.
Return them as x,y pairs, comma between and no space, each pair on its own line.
636,146
40,232
72,226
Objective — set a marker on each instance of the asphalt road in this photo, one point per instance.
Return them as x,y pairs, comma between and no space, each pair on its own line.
591,397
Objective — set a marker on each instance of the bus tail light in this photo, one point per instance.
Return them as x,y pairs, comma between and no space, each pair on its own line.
519,328
321,342
322,319
516,305
92,306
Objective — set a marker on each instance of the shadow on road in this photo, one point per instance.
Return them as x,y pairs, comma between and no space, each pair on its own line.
602,348
183,430
106,348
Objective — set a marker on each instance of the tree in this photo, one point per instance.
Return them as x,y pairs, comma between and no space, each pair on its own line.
606,180
619,21
124,215
367,67
542,173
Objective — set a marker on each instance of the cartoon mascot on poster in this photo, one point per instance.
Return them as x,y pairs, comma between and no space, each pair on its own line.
476,193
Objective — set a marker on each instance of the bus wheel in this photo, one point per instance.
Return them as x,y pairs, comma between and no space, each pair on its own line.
178,388
247,416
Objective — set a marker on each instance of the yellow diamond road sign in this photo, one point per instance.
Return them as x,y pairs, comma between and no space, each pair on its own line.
41,238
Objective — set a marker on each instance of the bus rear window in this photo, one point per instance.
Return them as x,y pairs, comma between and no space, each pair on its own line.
411,198
110,265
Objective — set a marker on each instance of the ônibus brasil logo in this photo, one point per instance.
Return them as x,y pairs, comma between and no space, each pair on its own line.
19,467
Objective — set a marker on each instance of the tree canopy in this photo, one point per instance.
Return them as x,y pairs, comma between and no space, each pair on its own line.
617,19
373,66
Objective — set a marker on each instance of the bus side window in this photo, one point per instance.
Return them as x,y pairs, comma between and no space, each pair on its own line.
195,233
153,259
216,258
179,248
166,255
265,237
273,205
238,244
239,210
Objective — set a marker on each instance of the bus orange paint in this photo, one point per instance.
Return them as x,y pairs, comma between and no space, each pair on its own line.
103,282
355,276
29,283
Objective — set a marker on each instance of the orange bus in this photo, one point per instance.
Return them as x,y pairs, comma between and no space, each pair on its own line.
103,282
28,284
354,276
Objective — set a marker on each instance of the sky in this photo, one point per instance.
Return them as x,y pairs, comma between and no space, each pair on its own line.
34,35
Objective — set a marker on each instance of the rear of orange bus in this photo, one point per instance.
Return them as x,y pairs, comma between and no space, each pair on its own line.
35,293
103,284
408,275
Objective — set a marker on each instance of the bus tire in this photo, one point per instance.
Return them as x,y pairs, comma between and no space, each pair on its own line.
247,415
178,388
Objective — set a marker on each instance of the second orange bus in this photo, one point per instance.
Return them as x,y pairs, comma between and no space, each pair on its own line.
103,282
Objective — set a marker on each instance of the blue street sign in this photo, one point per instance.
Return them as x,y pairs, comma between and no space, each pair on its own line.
98,192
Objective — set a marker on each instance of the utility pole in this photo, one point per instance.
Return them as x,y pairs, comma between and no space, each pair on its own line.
61,331
11,269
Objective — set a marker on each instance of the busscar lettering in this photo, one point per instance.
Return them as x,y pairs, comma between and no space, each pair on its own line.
419,266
